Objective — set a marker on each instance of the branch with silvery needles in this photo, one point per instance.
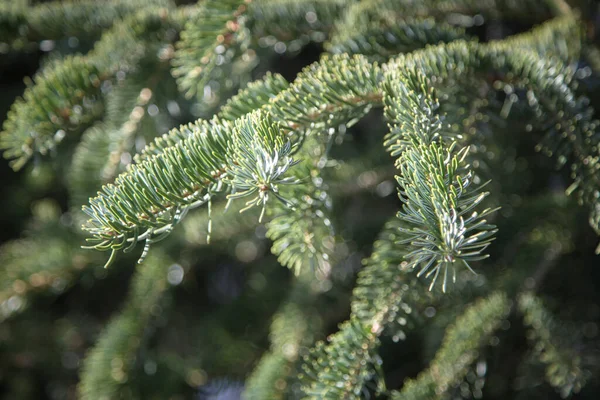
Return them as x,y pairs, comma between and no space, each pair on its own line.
247,158
185,168
251,156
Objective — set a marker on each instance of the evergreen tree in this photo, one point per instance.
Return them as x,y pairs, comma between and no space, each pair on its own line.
428,172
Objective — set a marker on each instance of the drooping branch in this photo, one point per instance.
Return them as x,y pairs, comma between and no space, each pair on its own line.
439,205
434,182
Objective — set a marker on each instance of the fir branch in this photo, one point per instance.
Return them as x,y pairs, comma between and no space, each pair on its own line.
256,95
383,300
303,236
386,295
187,168
415,116
310,240
459,349
111,365
564,366
443,229
422,152
144,185
62,99
174,136
302,232
72,88
268,379
211,40
338,90
248,158
252,150
341,368
259,157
